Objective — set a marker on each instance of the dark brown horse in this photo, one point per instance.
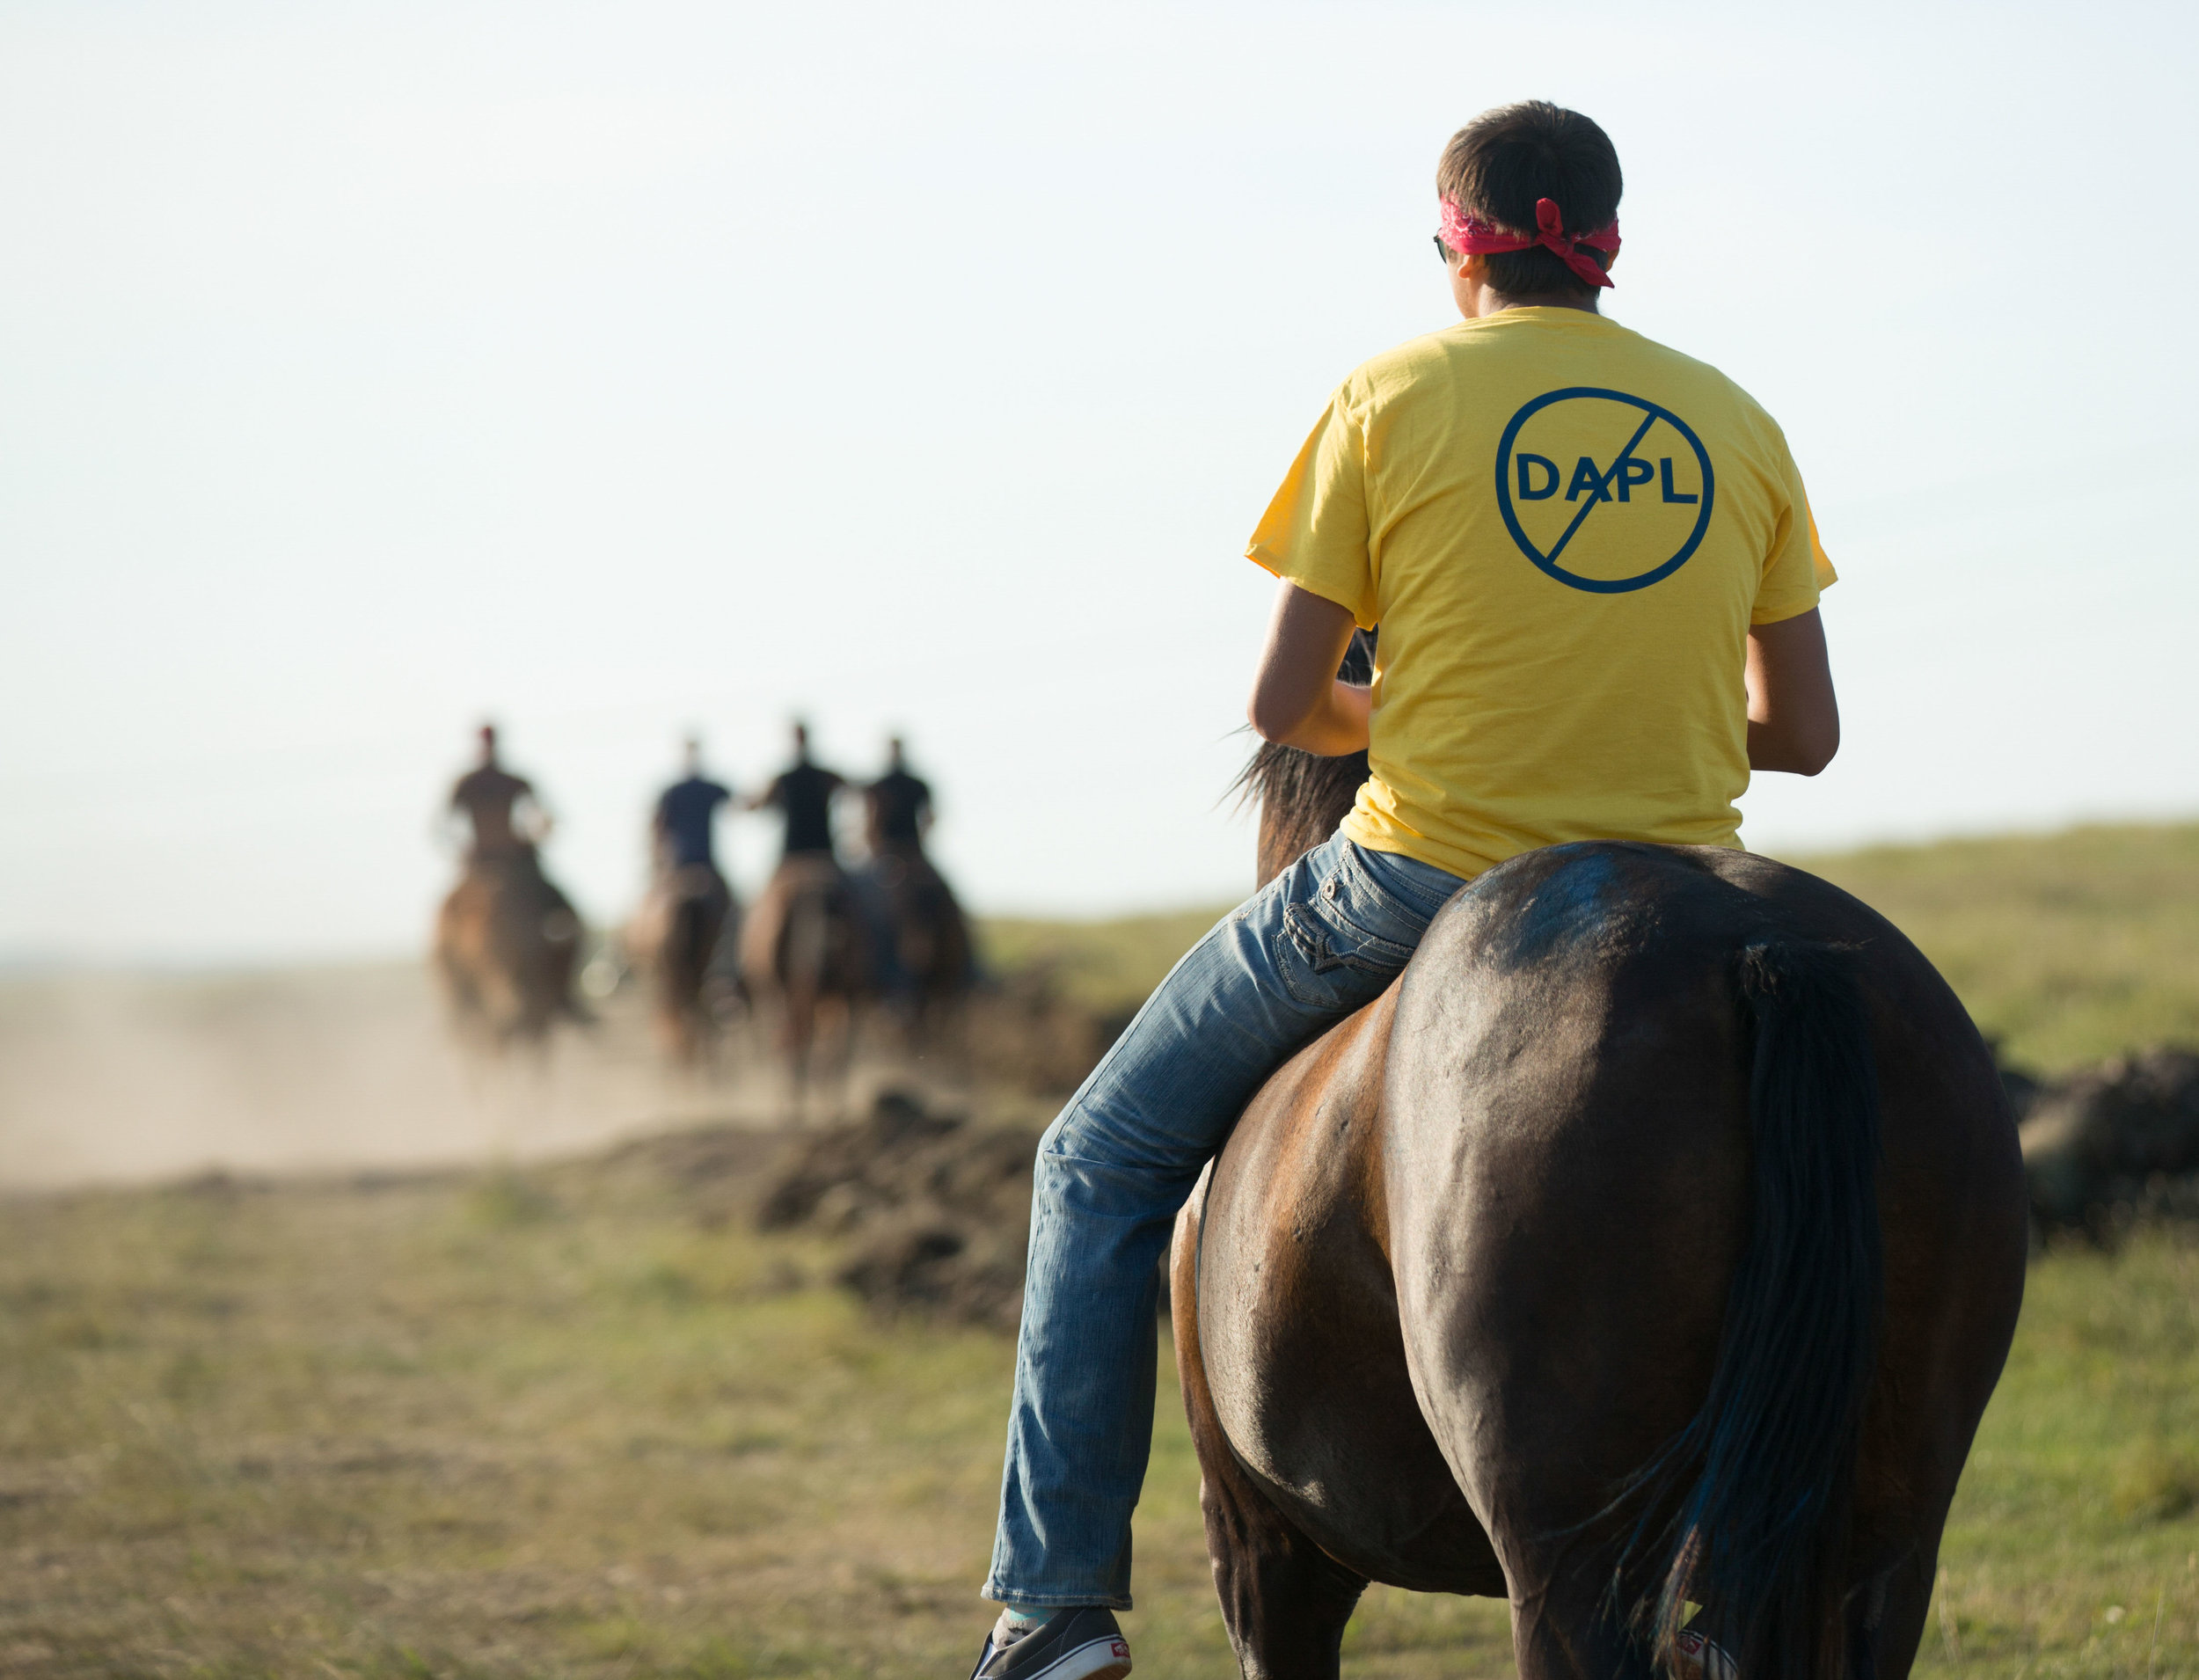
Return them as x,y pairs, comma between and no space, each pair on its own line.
929,958
1654,1242
804,952
507,941
675,936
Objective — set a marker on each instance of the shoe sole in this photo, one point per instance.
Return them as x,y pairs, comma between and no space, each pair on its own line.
1107,1659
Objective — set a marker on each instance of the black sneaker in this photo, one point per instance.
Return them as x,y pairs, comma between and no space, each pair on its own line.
1080,1643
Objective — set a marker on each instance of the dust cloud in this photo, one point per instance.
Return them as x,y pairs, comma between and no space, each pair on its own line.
113,1077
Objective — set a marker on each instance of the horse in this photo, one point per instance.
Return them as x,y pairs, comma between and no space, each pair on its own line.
1645,1255
927,954
677,936
805,947
507,942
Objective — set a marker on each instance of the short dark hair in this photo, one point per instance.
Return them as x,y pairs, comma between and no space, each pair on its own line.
1496,167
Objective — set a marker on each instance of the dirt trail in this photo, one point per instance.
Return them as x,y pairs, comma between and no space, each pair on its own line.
114,1078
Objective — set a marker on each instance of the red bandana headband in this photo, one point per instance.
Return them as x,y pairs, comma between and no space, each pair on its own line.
1469,238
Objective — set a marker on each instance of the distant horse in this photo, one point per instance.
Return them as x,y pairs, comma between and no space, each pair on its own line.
927,961
507,941
805,950
675,936
1653,1243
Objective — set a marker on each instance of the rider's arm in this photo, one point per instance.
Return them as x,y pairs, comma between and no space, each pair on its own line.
453,823
1794,719
1297,700
532,820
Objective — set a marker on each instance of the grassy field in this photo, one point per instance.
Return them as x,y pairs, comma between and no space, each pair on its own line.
587,1423
2066,947
1107,965
583,1421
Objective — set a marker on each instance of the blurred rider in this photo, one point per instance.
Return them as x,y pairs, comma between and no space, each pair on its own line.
490,797
802,793
898,804
904,898
686,816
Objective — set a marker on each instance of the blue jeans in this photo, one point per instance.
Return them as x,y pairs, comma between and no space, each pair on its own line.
1322,939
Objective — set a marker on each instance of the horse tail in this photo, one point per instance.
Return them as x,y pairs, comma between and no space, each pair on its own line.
805,941
1747,1513
690,943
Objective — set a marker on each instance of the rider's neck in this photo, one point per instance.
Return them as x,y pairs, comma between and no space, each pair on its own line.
1477,299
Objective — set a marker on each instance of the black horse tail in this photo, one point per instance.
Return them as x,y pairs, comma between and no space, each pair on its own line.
690,941
1747,1513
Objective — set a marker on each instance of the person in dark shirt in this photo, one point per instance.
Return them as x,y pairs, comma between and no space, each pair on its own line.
899,804
687,813
489,797
802,794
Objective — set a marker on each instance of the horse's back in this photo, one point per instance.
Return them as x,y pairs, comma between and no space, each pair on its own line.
924,922
507,941
805,932
1568,1114
1486,1249
1569,1039
680,917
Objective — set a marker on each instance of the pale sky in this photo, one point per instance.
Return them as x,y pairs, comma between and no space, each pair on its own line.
368,370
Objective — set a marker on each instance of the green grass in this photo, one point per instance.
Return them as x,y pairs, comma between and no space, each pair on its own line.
2065,947
2077,1531
583,1423
1106,965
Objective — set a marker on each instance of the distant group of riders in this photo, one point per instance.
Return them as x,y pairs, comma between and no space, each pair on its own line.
819,939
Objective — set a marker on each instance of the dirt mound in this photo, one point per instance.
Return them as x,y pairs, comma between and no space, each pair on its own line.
939,1208
2116,1141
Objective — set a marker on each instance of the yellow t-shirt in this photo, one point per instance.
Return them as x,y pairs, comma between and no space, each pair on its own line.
1564,530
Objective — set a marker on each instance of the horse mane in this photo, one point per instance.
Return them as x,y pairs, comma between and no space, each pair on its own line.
1294,786
1303,794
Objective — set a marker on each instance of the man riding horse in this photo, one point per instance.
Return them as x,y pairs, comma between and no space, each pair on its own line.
805,944
919,932
1596,580
505,819
505,937
689,904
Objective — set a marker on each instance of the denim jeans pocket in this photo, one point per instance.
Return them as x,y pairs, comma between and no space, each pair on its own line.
1326,958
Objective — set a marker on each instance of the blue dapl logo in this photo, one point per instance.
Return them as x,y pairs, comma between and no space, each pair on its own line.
1617,486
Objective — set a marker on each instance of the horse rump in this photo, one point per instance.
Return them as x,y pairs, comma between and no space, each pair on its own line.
1742,1522
701,905
506,944
924,938
804,938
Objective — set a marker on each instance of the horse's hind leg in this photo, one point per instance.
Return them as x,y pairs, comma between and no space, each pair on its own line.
1562,1627
1284,1600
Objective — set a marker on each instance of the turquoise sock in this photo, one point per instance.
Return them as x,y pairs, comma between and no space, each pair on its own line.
1022,1621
